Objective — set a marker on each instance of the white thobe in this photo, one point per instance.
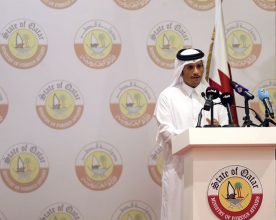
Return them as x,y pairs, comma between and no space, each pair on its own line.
176,110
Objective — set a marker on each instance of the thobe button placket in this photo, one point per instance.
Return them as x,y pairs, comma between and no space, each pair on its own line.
194,103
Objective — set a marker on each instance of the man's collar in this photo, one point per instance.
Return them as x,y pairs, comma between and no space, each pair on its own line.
188,89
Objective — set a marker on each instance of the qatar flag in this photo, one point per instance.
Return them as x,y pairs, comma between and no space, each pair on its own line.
218,68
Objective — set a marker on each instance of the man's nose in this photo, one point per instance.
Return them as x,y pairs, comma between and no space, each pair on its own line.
196,69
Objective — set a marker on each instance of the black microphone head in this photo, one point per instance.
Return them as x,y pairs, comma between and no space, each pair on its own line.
212,93
203,94
226,98
233,84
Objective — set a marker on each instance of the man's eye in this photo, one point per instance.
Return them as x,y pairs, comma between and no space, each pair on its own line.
199,66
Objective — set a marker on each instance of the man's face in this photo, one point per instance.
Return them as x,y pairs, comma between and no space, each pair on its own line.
192,73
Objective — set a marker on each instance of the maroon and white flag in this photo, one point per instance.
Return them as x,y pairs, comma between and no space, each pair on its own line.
219,68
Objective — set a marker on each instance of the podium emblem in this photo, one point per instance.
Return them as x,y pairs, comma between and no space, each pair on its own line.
235,192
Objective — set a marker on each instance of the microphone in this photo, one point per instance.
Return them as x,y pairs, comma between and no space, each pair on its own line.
241,90
227,100
211,93
264,97
198,125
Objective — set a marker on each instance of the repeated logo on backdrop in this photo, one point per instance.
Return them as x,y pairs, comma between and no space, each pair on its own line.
23,43
132,103
4,105
133,210
270,86
60,211
244,44
24,167
164,40
269,5
155,166
59,104
235,192
201,5
97,44
99,166
58,4
132,4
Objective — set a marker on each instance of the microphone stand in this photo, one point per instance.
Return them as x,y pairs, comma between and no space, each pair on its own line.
247,121
212,118
256,114
230,118
267,120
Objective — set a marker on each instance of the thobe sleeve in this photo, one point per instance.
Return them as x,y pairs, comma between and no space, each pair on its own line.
223,116
164,116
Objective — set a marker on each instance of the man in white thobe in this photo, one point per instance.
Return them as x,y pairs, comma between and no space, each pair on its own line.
177,109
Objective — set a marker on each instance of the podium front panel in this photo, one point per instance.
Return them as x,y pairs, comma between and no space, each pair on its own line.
229,180
208,173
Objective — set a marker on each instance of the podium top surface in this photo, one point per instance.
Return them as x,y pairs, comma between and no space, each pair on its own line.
224,137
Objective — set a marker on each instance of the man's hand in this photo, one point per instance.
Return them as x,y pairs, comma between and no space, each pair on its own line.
215,121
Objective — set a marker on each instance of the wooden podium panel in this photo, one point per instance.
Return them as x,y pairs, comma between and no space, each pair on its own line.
217,160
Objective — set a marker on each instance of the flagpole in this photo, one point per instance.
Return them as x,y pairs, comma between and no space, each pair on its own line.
210,56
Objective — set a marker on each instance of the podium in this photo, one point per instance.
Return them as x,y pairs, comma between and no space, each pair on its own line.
229,173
